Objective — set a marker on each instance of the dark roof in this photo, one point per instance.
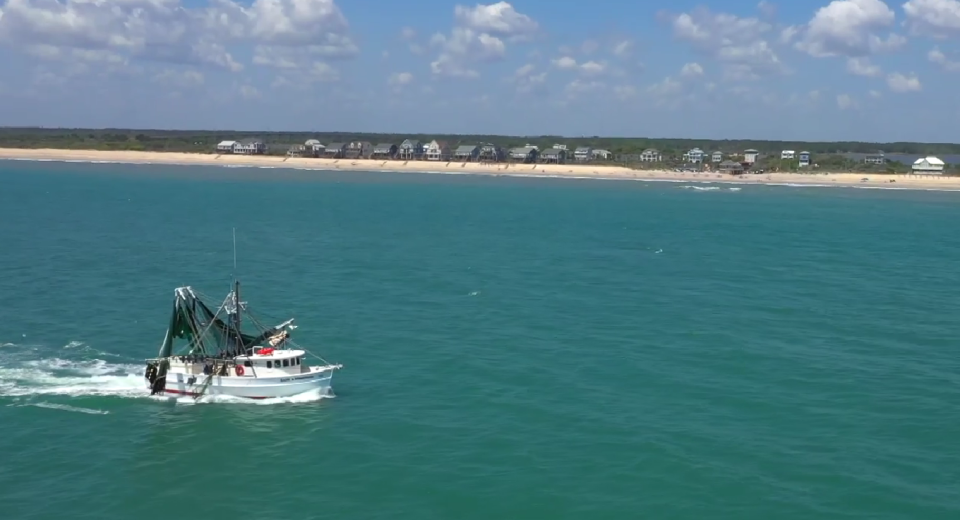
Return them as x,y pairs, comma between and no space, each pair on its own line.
583,148
553,151
383,147
410,143
250,140
730,164
335,146
525,150
466,148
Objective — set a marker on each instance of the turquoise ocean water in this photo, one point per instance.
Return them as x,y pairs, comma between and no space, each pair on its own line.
512,348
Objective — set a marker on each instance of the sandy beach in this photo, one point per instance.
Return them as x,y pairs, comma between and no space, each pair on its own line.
921,182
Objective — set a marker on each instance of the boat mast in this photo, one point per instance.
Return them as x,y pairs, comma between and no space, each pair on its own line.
236,286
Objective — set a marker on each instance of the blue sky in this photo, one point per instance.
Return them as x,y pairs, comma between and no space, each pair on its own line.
803,70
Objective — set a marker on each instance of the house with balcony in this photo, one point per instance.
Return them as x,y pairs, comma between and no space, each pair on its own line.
651,155
716,157
603,155
467,152
928,165
437,151
334,150
358,150
554,155
226,146
751,156
875,158
410,149
787,155
804,159
694,156
384,151
524,154
250,147
583,154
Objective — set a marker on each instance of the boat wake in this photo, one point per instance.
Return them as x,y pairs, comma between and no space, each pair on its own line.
25,376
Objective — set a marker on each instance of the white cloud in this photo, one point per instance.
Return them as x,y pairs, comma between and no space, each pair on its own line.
478,37
691,70
937,56
623,49
740,44
846,102
400,78
168,31
564,62
901,83
939,18
592,68
863,67
499,19
589,47
180,78
850,28
527,81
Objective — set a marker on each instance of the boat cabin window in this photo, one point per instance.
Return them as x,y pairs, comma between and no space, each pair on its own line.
298,361
269,364
286,363
247,363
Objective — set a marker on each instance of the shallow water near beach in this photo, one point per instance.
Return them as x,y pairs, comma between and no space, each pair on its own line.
512,348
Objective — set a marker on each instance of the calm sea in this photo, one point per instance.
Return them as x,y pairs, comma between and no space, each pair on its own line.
512,348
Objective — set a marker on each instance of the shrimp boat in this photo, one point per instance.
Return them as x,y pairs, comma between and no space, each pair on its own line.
216,356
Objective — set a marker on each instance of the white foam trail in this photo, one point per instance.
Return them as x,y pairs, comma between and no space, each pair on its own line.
68,408
55,376
700,188
309,396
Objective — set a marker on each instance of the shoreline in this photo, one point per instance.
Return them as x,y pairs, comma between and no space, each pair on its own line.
570,171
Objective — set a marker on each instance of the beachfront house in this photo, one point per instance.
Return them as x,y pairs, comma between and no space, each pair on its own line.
554,155
358,150
583,153
787,155
651,155
384,151
524,154
410,149
491,153
437,151
694,156
250,147
226,146
716,157
297,150
467,152
334,150
603,155
314,148
928,165
750,156
875,158
731,167
804,159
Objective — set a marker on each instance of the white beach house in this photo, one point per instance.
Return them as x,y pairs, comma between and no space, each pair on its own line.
928,165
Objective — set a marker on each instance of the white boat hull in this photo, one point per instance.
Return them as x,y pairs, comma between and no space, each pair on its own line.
318,379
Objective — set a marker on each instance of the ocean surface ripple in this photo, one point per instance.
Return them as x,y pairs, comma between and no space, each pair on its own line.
516,348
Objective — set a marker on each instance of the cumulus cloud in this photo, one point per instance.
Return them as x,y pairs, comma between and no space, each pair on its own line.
902,83
304,31
480,34
852,28
940,18
741,45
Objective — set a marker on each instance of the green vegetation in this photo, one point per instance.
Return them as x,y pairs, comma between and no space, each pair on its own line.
827,155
